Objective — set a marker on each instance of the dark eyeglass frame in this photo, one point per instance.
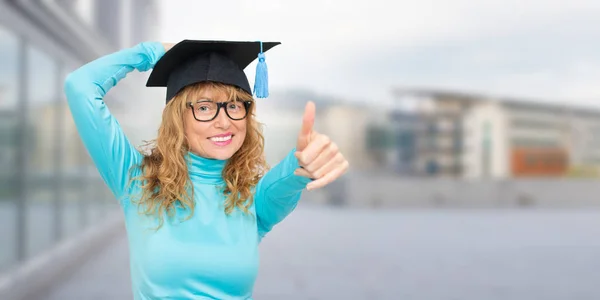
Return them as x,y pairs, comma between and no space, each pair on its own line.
247,105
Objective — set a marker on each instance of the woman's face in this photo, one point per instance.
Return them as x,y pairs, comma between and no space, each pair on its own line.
219,138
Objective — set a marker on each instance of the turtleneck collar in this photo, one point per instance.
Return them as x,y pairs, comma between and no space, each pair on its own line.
205,170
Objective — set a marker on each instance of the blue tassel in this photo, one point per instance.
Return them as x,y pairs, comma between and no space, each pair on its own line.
261,81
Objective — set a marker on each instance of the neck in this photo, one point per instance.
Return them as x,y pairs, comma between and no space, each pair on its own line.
206,170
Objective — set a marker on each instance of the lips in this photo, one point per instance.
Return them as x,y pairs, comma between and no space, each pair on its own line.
223,138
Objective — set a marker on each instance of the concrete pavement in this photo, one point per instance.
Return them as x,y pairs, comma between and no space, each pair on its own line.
321,253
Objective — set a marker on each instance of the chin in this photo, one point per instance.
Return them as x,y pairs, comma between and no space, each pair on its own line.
223,153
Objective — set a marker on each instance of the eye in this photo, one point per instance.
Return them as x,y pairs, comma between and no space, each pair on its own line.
204,107
234,105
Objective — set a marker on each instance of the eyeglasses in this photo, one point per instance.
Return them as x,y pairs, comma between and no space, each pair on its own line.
206,110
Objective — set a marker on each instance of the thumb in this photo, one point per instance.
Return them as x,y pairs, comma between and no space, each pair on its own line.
308,121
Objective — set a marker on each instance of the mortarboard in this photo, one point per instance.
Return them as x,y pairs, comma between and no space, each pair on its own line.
193,61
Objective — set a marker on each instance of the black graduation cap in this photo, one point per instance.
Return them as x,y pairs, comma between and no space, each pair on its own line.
193,61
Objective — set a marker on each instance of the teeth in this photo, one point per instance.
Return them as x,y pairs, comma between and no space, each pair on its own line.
221,138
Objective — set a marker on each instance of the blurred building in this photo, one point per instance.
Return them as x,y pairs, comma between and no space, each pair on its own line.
49,189
402,138
348,126
423,135
516,138
475,136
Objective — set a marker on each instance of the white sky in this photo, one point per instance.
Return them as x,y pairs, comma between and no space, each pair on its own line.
542,49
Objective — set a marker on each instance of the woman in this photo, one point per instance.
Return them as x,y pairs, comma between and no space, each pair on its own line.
199,202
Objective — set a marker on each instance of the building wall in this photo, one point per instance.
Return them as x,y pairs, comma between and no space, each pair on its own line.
546,161
539,141
441,135
524,139
439,148
346,126
49,188
570,131
537,127
404,126
585,144
486,148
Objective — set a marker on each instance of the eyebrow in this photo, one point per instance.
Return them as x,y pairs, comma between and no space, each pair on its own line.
211,100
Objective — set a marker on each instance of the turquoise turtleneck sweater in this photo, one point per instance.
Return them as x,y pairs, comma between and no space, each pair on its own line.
209,256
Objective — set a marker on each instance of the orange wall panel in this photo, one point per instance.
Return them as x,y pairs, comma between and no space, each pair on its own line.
539,161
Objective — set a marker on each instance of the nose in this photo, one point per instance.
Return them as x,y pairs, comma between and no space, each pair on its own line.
222,121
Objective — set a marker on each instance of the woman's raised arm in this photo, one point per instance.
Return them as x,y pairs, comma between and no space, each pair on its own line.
100,132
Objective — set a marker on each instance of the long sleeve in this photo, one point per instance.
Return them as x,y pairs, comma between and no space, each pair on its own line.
277,193
100,132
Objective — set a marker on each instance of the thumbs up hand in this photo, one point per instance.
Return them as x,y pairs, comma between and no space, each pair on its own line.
319,157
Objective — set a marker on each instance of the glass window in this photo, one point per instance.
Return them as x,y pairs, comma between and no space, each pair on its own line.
42,180
73,182
98,205
9,86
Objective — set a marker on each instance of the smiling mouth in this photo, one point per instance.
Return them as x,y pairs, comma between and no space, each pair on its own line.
220,139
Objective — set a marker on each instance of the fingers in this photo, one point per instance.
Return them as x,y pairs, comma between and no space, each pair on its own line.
329,154
168,46
308,121
320,161
329,166
329,177
302,172
313,150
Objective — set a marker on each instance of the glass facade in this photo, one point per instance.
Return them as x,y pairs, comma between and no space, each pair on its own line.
73,161
9,89
49,189
40,148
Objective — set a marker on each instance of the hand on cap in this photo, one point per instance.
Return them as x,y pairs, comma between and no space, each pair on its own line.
168,46
319,157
